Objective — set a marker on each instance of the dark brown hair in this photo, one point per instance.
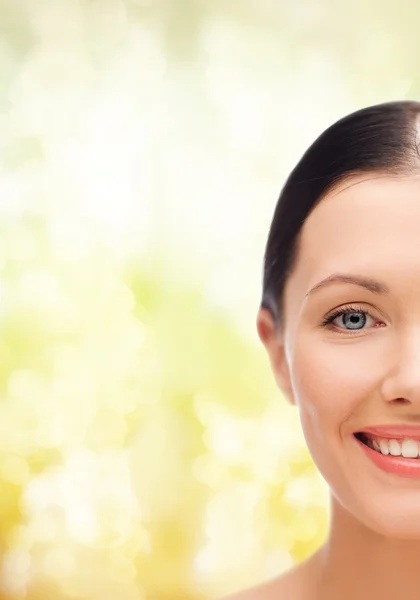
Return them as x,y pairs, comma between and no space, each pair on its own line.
380,138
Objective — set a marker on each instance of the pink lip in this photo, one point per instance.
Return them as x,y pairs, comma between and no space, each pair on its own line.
396,465
394,431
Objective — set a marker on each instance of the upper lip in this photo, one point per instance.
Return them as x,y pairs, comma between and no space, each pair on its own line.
393,431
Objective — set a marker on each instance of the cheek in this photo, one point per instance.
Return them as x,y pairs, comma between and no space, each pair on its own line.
325,401
325,385
331,383
332,380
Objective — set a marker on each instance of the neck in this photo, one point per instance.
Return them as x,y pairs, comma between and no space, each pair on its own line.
357,562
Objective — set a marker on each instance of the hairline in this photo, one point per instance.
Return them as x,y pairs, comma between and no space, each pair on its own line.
397,172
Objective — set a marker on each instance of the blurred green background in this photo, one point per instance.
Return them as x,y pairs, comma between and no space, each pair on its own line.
145,451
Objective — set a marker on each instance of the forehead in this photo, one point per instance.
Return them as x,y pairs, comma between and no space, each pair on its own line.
368,225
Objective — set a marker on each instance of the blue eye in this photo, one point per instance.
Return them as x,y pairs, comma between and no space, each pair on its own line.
353,317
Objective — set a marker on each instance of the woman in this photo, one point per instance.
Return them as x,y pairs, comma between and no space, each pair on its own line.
340,320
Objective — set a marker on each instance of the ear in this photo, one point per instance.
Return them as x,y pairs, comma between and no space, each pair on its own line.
274,343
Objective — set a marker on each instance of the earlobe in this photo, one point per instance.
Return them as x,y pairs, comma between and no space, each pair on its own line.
274,344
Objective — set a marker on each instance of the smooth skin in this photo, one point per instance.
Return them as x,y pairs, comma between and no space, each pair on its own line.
345,377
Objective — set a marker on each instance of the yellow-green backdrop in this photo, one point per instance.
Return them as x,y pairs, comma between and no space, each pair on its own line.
145,451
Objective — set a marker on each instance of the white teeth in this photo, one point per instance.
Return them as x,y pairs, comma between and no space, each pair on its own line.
410,449
376,445
406,448
394,448
383,445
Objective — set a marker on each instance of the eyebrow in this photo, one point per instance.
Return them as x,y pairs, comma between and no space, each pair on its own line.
374,286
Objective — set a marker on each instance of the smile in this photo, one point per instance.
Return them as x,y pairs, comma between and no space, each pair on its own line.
389,456
408,448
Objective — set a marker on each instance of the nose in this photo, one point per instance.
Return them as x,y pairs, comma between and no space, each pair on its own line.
401,384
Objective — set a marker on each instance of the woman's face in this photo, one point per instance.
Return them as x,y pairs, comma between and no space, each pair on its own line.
363,369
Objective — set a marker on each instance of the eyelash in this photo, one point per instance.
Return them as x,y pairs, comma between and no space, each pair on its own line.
344,310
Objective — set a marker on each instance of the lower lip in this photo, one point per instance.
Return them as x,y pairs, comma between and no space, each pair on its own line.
397,465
